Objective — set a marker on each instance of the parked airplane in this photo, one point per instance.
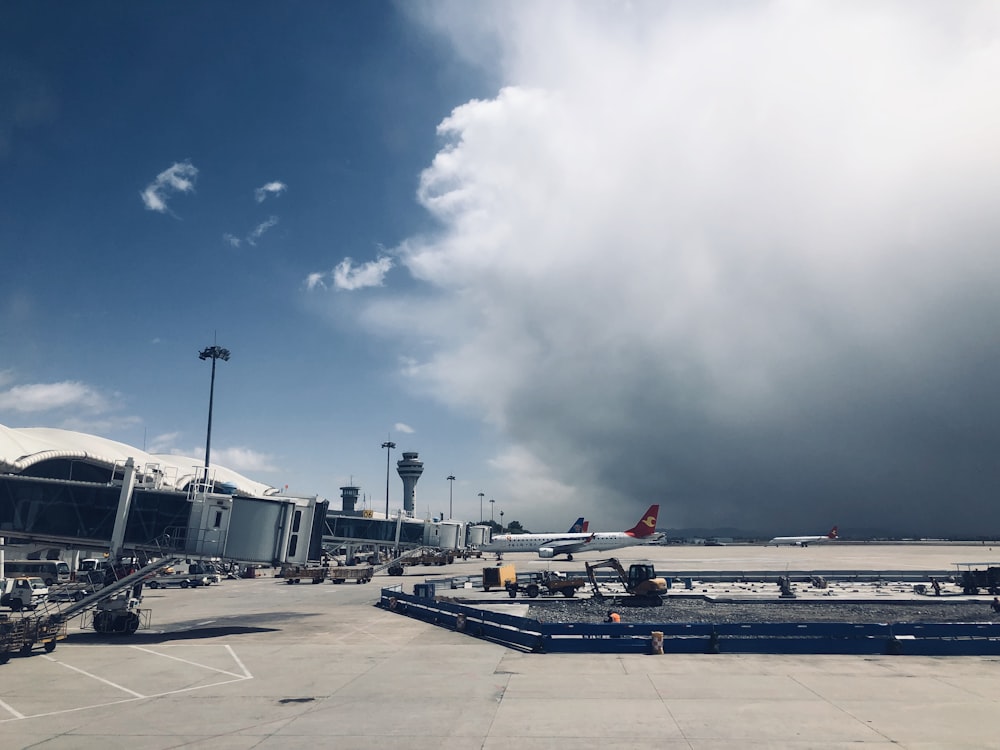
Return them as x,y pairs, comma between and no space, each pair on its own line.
802,541
579,526
550,545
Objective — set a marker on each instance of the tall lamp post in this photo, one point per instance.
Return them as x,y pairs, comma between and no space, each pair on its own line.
388,445
451,486
501,522
480,508
213,353
491,510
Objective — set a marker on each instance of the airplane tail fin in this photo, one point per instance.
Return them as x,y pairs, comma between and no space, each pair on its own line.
578,526
647,524
833,533
586,526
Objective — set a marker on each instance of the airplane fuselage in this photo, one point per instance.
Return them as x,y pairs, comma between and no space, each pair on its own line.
797,541
596,542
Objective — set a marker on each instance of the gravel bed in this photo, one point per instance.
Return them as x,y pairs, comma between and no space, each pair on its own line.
700,610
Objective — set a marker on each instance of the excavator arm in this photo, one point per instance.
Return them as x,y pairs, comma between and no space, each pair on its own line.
611,562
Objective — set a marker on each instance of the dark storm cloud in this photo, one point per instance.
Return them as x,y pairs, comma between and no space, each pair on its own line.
740,262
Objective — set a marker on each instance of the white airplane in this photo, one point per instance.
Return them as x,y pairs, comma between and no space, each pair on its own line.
550,545
802,541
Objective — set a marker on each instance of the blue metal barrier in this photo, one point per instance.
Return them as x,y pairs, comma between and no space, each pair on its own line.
929,639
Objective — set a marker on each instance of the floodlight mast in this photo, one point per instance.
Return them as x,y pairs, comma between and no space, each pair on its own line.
213,353
451,486
388,445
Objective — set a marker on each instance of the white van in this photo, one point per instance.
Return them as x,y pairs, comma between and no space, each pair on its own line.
90,564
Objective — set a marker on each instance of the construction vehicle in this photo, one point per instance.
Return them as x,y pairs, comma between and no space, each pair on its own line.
546,582
299,573
640,581
498,576
23,593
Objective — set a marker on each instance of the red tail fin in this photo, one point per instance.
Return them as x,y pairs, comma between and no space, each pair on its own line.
647,524
833,533
586,526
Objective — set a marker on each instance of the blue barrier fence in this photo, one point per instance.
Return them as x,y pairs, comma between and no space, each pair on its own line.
925,639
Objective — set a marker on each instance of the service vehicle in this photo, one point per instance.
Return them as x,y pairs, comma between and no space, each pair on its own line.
299,573
50,571
183,580
358,574
21,634
23,593
90,564
546,582
498,576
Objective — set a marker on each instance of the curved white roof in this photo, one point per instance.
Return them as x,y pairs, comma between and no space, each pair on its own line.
23,447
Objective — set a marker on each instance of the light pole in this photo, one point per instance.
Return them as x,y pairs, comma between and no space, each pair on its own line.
211,352
388,445
501,522
480,508
451,486
491,510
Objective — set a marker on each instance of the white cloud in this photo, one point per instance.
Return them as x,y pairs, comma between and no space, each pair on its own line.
100,424
271,188
348,277
237,458
259,230
404,428
244,459
231,240
178,178
315,281
41,397
164,443
720,256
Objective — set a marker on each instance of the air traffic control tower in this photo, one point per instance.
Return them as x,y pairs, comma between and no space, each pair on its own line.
349,497
410,468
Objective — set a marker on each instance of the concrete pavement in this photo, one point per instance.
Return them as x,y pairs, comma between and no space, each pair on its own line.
259,664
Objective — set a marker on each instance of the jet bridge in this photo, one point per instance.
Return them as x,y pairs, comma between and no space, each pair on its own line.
122,513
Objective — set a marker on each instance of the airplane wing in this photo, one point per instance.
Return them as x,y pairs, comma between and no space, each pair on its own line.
564,546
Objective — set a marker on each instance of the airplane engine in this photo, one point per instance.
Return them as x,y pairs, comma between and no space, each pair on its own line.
546,552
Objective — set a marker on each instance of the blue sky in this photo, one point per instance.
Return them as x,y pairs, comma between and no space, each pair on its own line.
739,260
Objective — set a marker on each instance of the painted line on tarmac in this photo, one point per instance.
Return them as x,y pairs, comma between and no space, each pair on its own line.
239,662
95,677
245,676
17,715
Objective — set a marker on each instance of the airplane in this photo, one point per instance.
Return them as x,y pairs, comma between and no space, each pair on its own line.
802,541
578,526
550,545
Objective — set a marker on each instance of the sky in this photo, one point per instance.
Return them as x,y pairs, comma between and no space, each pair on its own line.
739,259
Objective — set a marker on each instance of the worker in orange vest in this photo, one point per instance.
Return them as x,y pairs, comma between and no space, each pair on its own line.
613,616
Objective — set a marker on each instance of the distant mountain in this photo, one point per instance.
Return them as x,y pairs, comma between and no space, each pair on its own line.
728,532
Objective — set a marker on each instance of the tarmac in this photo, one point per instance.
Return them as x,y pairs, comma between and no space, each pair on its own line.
261,664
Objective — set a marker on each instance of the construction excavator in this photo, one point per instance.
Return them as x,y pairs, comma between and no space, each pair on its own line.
642,586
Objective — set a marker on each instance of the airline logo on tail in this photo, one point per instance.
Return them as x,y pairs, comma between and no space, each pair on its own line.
832,534
647,525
